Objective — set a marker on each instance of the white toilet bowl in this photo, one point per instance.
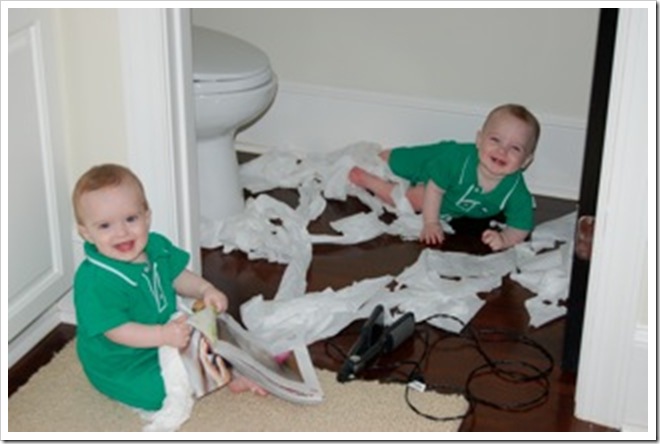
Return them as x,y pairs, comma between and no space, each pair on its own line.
233,86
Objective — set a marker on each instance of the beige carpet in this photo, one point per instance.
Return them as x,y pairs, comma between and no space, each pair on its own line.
58,398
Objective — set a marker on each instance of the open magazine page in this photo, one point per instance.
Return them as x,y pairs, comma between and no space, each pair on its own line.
205,368
294,379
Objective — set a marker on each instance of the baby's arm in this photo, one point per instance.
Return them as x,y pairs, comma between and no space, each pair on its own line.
432,231
500,240
193,286
175,333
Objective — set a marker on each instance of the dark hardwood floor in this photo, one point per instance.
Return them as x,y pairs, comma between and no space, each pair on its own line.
452,357
39,356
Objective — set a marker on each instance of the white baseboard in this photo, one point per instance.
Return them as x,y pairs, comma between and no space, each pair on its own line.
312,118
33,333
67,310
65,304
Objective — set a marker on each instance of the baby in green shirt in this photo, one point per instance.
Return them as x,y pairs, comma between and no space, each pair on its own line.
474,180
125,290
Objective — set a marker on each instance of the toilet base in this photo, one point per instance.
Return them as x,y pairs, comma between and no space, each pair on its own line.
220,191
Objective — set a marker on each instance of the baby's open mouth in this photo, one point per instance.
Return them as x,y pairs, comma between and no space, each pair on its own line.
125,246
498,162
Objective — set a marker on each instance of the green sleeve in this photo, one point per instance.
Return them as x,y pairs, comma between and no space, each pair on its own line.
177,259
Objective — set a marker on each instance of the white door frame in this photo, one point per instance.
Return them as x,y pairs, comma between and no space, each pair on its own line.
618,270
160,125
156,72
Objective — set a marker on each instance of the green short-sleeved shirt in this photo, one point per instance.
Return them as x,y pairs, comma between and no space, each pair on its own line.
109,293
453,167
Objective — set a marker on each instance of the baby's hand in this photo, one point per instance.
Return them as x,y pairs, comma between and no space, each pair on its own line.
216,299
493,239
176,333
432,233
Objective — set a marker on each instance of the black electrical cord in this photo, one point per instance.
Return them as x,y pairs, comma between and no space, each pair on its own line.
514,338
492,367
507,370
502,369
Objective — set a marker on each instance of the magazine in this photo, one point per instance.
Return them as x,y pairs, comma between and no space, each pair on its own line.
205,369
293,379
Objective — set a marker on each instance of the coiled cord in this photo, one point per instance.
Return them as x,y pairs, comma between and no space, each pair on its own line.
509,371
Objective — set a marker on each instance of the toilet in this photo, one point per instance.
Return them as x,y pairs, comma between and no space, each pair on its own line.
233,85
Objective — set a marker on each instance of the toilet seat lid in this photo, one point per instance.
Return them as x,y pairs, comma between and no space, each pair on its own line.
225,62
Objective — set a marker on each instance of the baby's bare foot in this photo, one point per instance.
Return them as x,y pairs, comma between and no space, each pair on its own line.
357,176
381,188
241,384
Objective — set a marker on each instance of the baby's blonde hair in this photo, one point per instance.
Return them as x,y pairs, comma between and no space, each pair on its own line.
522,113
102,176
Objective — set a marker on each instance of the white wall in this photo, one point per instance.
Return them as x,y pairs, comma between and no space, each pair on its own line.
93,88
413,76
542,58
94,106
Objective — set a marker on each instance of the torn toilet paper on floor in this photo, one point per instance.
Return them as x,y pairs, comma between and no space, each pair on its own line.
438,282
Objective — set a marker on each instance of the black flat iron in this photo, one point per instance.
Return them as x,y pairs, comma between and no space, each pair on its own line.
375,339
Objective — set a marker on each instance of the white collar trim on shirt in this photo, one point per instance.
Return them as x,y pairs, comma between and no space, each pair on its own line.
112,270
508,195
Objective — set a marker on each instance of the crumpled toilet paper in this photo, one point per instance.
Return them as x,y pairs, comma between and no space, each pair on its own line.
546,273
266,229
438,282
180,398
318,315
